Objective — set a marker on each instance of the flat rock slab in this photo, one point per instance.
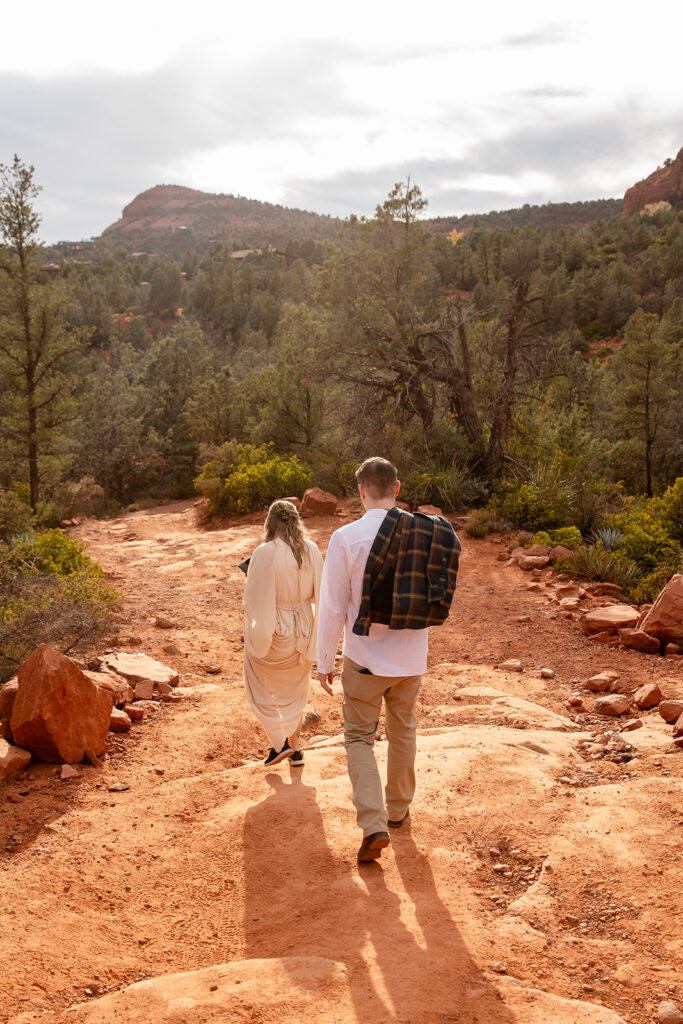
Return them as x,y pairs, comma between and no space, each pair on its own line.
138,668
610,619
295,986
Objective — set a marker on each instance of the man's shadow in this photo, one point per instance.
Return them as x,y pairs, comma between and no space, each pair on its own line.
304,899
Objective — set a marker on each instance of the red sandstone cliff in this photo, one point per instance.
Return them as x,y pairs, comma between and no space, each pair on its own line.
663,185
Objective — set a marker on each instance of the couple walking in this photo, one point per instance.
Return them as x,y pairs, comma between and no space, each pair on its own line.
387,577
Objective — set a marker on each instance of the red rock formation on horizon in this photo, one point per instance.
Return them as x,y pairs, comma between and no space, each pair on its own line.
663,185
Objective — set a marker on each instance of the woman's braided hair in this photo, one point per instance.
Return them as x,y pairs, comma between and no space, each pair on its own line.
283,521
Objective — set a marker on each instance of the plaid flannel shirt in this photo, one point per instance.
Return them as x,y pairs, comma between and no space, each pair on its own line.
410,574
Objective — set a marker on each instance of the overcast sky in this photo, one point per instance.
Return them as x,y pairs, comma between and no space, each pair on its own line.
325,106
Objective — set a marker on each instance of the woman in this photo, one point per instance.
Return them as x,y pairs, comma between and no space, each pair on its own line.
280,624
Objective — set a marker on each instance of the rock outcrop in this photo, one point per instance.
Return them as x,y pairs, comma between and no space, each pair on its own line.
665,185
59,713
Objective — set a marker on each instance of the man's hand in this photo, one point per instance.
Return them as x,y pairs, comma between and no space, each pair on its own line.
325,680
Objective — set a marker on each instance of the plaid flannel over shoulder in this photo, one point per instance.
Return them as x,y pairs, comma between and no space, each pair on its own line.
422,552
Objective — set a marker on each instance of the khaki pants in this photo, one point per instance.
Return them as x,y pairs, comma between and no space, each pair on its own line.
361,709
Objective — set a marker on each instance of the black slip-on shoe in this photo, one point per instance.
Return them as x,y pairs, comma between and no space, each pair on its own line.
297,759
372,846
397,822
275,756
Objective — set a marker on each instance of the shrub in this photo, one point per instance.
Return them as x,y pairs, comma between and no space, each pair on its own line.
478,523
595,563
450,489
50,592
243,478
15,516
83,497
646,539
542,537
672,509
567,536
530,507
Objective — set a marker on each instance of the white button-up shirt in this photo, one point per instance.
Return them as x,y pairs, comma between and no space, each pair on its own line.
385,652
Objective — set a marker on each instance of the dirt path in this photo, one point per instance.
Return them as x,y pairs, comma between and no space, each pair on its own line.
247,878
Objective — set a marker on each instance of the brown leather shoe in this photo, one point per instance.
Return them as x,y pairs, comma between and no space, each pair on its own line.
397,822
372,846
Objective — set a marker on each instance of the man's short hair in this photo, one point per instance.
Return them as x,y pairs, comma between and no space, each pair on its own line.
378,477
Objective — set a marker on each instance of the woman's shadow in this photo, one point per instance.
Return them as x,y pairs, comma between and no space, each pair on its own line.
303,898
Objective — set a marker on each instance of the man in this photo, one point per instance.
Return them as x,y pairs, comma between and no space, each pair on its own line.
383,665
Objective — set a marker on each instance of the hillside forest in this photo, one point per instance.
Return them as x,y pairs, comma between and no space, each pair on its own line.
532,373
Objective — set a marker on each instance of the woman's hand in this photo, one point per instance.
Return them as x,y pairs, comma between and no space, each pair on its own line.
325,680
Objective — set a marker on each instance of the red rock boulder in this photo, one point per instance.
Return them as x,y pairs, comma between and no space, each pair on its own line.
317,502
665,618
58,712
296,502
429,510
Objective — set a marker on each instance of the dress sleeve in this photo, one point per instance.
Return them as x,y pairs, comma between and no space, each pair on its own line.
259,601
317,566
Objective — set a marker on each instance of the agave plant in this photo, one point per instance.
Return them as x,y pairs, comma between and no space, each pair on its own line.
608,536
596,563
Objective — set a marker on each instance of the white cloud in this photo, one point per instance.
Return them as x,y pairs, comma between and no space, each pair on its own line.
304,103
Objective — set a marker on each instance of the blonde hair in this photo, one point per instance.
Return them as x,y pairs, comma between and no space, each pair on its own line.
283,521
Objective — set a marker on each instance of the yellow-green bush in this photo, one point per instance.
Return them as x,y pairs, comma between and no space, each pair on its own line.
243,478
50,592
672,509
529,507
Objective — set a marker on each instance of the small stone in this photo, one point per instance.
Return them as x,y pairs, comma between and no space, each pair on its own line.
68,772
511,665
134,712
673,651
500,967
668,1013
212,669
159,771
601,682
118,787
547,673
144,690
501,868
119,721
170,649
213,988
162,623
632,724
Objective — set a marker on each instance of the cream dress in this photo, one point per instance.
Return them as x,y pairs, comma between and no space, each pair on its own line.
280,625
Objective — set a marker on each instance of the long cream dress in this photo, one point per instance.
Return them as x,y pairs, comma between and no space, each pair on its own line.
280,625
